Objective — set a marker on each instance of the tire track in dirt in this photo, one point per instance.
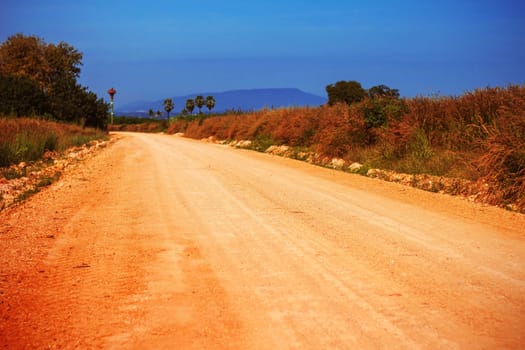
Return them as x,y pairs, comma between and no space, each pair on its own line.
93,285
161,242
399,253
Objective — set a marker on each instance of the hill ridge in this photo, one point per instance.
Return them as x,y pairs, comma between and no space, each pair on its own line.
244,99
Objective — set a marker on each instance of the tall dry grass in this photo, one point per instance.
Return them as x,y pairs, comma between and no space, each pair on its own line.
26,139
478,136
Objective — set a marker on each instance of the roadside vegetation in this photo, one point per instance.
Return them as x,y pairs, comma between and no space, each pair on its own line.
479,136
138,124
43,112
42,105
27,139
41,79
155,124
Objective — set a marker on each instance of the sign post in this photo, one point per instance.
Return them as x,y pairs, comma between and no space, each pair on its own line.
112,93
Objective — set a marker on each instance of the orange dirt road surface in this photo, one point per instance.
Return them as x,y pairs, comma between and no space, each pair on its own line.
162,242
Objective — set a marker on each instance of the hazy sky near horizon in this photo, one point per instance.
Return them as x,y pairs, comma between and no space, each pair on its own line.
157,49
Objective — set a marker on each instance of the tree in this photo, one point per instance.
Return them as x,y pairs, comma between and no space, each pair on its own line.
64,101
93,110
151,114
47,64
190,105
63,62
383,91
158,114
30,64
168,106
345,92
23,56
199,102
382,106
20,96
210,102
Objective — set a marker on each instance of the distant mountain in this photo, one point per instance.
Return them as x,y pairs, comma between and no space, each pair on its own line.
246,100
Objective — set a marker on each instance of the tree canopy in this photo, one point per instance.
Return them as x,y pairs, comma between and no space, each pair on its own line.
345,92
38,78
168,106
21,96
190,105
382,91
210,102
200,102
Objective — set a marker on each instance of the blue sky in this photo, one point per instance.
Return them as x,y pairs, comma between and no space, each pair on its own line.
157,49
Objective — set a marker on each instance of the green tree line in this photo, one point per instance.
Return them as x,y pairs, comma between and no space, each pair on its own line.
190,105
40,79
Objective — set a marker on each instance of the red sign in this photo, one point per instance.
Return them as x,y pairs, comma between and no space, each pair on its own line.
112,92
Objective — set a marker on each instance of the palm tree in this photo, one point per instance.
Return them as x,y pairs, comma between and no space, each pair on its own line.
151,114
190,105
199,102
168,106
159,113
210,103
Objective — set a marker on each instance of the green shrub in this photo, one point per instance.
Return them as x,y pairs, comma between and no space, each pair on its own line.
262,142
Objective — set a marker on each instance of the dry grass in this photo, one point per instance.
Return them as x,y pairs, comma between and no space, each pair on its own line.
479,136
26,139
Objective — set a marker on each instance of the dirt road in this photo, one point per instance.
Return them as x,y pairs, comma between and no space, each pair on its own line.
162,242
